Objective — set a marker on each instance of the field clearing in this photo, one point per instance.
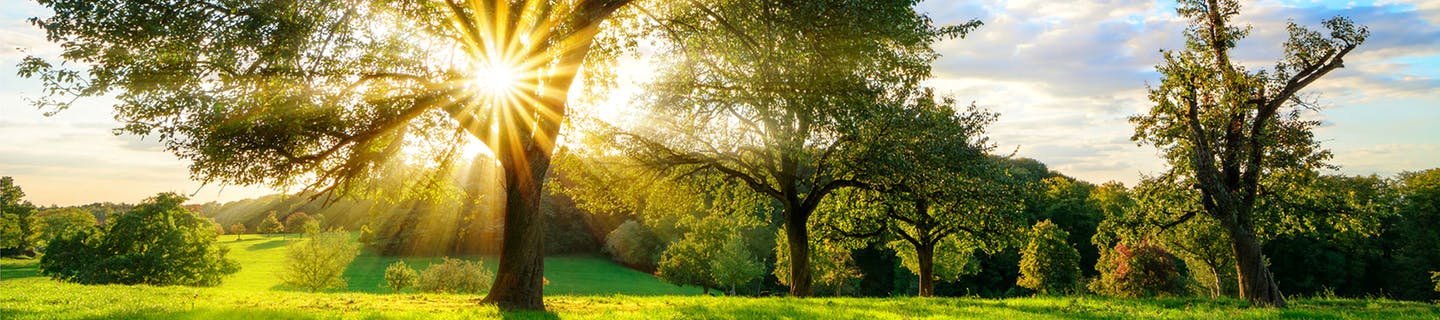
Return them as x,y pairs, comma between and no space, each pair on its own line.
585,288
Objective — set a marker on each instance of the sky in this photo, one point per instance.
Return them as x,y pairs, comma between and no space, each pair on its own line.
1064,76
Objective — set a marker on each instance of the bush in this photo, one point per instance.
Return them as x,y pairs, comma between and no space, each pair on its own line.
157,243
319,261
1142,271
399,276
270,225
455,276
1048,263
633,244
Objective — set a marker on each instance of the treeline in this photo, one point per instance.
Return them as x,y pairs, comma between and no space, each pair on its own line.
1352,236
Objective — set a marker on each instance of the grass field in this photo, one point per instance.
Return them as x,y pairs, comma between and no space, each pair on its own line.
585,288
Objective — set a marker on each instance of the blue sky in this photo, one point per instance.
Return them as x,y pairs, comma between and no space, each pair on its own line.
1064,75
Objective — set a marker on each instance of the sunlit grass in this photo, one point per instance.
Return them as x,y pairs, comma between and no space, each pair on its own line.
582,288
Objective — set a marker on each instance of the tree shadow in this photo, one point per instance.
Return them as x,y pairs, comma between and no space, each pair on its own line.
513,315
276,243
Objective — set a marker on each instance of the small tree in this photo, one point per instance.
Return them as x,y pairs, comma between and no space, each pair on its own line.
399,276
319,261
1049,264
300,222
455,276
270,225
734,265
237,229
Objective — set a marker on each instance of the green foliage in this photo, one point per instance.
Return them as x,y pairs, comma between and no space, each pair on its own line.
1048,263
714,109
157,243
455,276
1142,270
270,225
399,276
734,265
1419,233
65,220
953,258
318,262
300,222
1435,277
831,265
632,243
713,254
20,226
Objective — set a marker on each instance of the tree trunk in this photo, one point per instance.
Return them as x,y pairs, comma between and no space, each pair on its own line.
1256,283
925,254
797,235
519,280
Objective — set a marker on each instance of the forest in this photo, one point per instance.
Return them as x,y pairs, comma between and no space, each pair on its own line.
455,159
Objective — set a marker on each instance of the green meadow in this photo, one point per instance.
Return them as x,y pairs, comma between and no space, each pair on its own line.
584,287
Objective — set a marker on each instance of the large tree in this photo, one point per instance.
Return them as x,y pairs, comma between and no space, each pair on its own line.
1224,127
323,93
780,95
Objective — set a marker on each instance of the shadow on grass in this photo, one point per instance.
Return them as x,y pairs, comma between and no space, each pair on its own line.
18,271
515,315
273,243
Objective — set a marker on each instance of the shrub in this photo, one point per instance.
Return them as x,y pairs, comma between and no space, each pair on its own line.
455,276
270,225
1048,263
632,243
399,276
157,243
1141,271
319,261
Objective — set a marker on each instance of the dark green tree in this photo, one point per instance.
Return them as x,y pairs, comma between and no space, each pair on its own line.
157,243
1223,127
326,92
1419,233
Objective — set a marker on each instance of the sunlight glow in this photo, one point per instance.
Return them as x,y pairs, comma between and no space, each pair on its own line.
495,79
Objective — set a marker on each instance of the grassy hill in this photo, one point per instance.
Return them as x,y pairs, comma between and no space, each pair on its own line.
583,288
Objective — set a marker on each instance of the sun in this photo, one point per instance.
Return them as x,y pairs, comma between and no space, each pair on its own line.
495,78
